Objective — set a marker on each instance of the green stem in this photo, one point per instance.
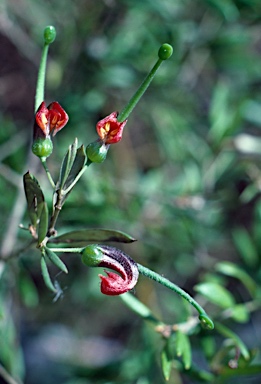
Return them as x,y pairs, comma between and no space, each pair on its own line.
138,94
203,317
69,250
164,53
65,191
39,94
43,161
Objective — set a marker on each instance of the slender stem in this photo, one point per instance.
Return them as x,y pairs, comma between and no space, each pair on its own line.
43,161
39,94
68,250
203,317
61,193
138,94
65,191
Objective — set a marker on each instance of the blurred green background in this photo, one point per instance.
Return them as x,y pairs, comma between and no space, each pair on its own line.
185,179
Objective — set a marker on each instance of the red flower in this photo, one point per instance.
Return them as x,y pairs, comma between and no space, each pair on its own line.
109,129
113,284
51,119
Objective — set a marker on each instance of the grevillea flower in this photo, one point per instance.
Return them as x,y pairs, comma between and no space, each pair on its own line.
109,129
105,256
50,119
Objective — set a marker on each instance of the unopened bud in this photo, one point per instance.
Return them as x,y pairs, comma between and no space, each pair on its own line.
49,34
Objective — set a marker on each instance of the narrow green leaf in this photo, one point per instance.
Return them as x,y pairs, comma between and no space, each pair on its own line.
230,269
34,197
240,313
227,8
223,118
226,372
28,290
209,346
73,164
183,349
46,275
78,164
216,294
166,364
82,237
138,307
233,336
43,223
67,164
245,246
56,260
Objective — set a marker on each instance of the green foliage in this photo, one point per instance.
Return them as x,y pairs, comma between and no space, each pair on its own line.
82,237
46,275
34,197
184,181
216,294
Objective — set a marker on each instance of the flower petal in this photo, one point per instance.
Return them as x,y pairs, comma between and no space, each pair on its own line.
127,277
57,116
109,129
41,118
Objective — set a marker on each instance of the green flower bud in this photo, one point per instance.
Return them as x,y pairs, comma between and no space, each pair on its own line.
92,255
165,51
49,34
42,147
97,151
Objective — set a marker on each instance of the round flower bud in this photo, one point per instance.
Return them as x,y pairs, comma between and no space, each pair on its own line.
49,34
97,151
165,51
42,147
92,255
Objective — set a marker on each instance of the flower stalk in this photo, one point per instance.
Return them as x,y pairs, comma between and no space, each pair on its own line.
43,161
203,317
105,256
164,53
49,37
